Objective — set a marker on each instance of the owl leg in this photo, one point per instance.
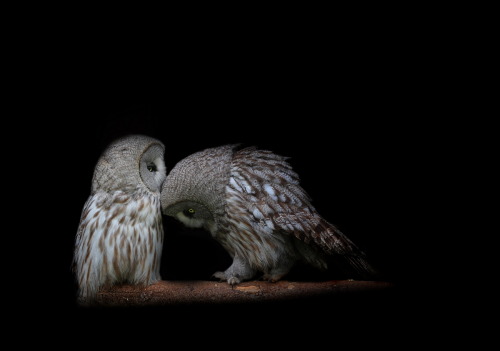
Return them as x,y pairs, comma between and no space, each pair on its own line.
239,271
279,270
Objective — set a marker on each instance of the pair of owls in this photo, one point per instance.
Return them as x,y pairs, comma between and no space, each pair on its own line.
249,200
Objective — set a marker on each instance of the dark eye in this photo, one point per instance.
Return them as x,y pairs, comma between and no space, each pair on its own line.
151,167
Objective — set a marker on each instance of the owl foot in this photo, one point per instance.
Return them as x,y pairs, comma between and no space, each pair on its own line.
231,280
219,275
272,278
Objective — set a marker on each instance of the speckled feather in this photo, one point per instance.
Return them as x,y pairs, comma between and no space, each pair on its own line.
261,215
120,234
276,200
119,239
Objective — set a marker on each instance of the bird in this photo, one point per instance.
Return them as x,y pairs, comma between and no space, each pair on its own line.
252,203
120,233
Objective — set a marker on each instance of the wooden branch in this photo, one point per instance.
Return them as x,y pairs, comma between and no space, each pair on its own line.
212,292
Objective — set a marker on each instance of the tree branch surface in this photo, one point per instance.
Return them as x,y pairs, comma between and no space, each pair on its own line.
212,292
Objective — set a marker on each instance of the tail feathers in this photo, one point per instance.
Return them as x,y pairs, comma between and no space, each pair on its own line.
335,243
363,269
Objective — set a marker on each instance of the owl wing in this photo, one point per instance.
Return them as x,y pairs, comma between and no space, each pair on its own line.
275,199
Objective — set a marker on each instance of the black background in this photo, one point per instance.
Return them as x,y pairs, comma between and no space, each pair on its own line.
349,104
352,151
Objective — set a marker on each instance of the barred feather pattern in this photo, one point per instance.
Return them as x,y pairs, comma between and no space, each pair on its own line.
270,217
251,202
119,239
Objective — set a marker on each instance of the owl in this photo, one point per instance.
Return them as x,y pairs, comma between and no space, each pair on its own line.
120,234
251,202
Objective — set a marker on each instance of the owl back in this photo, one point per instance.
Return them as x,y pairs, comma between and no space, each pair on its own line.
200,177
270,191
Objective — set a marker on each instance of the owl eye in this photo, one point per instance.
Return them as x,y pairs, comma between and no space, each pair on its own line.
151,167
189,212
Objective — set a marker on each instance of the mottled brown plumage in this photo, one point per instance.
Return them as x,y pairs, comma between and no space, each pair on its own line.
120,235
251,202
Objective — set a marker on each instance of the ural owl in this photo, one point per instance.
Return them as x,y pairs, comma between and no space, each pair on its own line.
251,202
120,235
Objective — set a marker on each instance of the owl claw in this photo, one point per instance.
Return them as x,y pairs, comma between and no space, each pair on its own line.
219,275
233,281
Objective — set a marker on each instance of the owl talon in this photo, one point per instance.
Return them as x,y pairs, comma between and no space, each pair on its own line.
219,275
233,281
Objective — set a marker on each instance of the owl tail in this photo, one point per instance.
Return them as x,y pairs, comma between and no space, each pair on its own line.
361,265
343,250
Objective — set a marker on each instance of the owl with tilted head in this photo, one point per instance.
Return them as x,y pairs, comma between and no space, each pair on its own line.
251,202
120,234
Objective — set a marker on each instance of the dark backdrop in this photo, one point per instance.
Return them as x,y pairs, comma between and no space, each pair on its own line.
350,112
351,151
363,102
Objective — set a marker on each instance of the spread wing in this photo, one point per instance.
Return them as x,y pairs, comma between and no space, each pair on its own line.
275,198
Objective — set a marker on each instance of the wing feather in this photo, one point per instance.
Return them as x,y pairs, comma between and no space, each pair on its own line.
274,194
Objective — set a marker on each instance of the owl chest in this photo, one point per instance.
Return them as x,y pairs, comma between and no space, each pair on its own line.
143,224
241,234
124,229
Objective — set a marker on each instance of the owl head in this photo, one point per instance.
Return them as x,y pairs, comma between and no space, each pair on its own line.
129,163
194,191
